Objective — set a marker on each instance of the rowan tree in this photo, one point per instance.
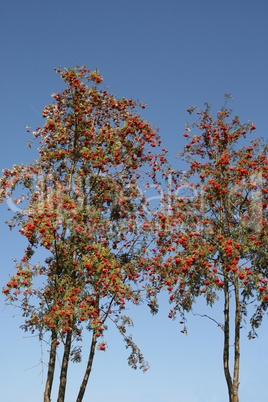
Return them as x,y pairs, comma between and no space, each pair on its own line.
82,202
214,236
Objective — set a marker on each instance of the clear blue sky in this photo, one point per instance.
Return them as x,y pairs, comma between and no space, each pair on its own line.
171,55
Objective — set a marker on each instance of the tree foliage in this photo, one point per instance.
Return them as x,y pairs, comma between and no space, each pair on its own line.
218,227
84,203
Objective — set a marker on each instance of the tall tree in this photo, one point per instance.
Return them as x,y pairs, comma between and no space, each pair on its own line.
214,237
82,201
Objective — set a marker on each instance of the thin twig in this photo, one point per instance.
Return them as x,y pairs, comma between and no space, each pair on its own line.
212,319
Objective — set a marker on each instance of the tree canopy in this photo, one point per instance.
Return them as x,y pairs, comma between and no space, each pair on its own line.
83,201
219,227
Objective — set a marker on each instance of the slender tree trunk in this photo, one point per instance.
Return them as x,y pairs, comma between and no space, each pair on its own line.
51,367
89,367
64,367
236,345
227,339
